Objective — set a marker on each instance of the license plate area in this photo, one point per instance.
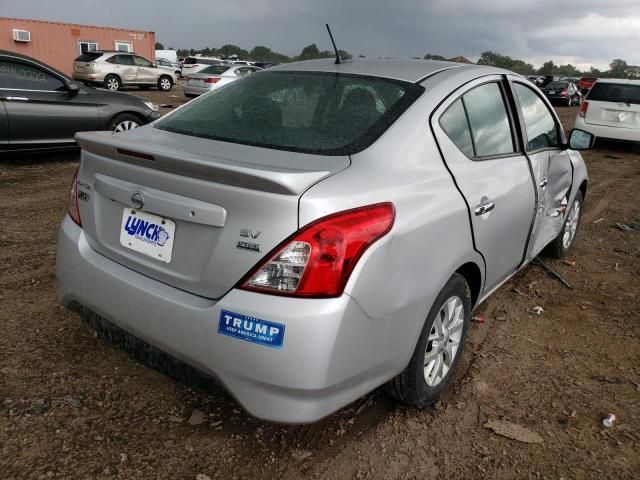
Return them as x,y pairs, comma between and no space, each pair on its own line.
147,234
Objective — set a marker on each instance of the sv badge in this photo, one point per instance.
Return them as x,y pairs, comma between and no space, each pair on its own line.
249,233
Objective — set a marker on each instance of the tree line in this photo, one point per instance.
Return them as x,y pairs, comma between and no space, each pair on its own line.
618,68
259,53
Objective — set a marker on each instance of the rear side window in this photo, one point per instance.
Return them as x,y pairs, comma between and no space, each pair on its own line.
479,124
27,77
538,121
455,125
615,92
88,57
311,112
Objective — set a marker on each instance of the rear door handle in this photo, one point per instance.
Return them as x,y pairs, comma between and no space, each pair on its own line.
17,99
544,183
484,208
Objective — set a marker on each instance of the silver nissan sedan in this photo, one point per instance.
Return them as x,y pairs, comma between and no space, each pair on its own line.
309,233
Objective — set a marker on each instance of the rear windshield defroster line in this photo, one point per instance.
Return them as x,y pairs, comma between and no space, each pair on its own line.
321,113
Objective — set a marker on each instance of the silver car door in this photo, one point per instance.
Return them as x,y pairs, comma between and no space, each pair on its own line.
146,72
475,132
127,68
551,166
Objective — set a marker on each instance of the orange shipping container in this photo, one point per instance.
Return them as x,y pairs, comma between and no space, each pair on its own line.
58,44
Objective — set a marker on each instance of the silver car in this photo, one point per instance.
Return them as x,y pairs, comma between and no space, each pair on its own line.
213,77
310,233
113,70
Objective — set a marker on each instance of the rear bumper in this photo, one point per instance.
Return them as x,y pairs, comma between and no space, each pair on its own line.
331,355
95,77
192,90
604,131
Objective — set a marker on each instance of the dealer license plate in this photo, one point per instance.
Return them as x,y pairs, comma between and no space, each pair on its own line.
148,234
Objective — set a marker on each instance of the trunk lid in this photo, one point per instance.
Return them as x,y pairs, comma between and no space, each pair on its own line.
231,204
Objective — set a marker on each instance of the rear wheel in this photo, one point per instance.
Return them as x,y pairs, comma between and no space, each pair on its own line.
560,246
124,122
165,83
112,82
439,347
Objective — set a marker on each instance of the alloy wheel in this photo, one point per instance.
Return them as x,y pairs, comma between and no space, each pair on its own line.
113,84
165,84
571,224
444,341
125,125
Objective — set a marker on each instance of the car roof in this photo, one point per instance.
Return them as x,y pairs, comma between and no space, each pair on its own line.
412,71
619,80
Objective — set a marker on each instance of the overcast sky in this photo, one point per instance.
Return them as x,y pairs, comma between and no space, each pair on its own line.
581,32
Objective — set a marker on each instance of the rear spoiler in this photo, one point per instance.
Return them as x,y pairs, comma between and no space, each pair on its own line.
286,181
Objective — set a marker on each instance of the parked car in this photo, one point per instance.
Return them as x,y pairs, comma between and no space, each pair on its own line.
214,76
170,55
174,67
195,64
303,238
565,93
42,108
265,65
611,110
585,83
113,70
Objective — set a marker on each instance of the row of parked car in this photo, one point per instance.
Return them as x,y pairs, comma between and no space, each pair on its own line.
43,108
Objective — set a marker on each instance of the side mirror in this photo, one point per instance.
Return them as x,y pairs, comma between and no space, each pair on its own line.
72,88
580,140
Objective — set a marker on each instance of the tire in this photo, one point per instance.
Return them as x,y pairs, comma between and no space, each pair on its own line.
124,122
561,245
112,82
165,83
418,385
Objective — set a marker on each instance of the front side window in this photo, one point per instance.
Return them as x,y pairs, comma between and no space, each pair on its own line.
141,62
538,121
311,112
27,77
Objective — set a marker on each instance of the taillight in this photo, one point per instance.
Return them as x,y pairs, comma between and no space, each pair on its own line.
73,207
318,260
563,93
583,109
212,79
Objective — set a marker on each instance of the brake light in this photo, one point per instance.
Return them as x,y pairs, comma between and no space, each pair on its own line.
73,208
583,109
317,261
563,93
212,79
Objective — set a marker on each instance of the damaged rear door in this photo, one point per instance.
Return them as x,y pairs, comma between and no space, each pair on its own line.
551,166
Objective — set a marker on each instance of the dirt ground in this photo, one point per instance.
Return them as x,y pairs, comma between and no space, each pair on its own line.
74,406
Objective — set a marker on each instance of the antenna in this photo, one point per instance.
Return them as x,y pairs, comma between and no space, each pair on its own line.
338,59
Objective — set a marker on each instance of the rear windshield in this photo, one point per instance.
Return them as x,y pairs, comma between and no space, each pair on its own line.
557,85
215,69
615,92
311,112
88,56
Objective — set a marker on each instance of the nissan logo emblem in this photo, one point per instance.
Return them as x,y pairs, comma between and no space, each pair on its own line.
137,200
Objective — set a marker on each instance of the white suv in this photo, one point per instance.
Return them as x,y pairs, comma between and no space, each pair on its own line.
612,110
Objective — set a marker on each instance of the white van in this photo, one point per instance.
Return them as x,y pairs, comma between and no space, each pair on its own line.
170,55
612,110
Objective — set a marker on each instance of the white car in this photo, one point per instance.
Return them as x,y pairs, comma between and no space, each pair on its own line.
195,64
612,110
214,77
